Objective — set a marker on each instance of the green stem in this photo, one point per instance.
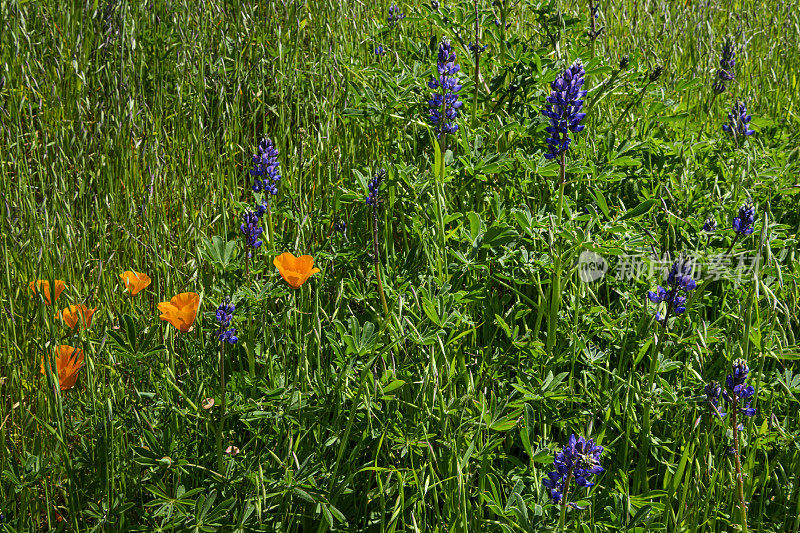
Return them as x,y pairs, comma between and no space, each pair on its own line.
738,463
223,406
555,285
564,498
646,439
440,210
477,67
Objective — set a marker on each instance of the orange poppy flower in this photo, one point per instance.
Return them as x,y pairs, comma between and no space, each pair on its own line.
295,270
135,281
44,286
72,315
69,361
181,310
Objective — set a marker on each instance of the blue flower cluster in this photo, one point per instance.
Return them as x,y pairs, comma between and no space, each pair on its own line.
224,317
444,103
679,284
475,49
395,15
738,121
563,109
374,188
737,392
578,460
743,224
251,230
726,64
713,390
265,168
379,51
710,225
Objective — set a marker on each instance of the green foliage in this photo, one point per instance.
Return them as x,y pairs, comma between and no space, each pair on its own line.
126,132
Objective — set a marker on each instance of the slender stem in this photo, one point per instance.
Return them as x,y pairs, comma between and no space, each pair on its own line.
223,405
564,499
477,67
555,285
375,261
593,31
440,204
708,113
646,438
738,463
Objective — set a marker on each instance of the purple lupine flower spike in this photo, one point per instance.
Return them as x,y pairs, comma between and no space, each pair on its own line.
726,64
737,392
743,224
738,121
224,318
581,459
679,285
251,230
444,103
266,169
563,109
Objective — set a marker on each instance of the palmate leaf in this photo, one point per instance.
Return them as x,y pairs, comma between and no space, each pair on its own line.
218,251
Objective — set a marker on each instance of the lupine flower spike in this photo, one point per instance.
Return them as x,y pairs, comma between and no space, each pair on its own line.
743,224
679,285
713,390
726,64
252,231
224,317
737,392
563,109
738,121
579,460
444,102
266,169
710,225
395,15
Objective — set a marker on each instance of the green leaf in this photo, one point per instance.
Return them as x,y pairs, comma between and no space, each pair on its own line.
639,210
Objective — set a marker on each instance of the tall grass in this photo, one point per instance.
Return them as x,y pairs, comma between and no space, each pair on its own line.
126,130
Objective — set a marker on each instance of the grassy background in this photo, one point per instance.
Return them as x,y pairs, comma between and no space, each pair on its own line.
126,130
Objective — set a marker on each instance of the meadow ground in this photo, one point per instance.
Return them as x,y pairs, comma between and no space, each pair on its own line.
481,296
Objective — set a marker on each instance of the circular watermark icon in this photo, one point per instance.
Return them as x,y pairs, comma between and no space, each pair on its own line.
591,266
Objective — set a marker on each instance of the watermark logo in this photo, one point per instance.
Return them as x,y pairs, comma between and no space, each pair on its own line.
591,266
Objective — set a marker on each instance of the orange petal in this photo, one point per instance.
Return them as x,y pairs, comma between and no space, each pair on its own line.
181,310
69,361
295,270
135,281
44,286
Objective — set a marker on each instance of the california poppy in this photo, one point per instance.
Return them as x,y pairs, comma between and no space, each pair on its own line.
69,361
181,310
44,286
295,270
72,315
135,281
